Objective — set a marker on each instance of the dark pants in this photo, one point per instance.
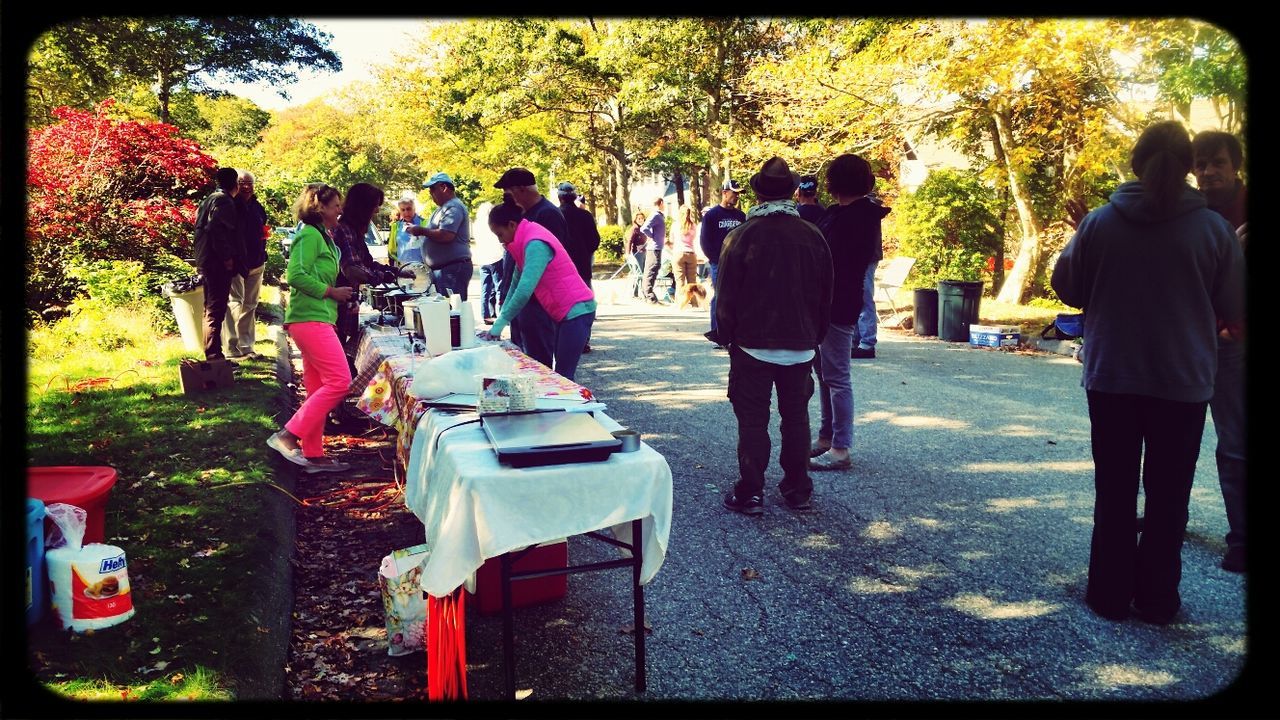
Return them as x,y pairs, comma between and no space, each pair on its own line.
217,292
558,345
1162,437
652,258
751,384
490,278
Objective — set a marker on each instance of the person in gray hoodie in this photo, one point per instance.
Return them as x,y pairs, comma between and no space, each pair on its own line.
1157,274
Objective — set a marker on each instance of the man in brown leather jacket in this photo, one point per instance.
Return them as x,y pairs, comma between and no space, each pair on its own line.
773,307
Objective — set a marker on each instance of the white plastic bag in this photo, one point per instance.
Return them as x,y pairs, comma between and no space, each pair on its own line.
455,372
69,523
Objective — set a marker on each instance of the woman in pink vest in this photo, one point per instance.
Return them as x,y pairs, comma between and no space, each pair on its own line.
546,275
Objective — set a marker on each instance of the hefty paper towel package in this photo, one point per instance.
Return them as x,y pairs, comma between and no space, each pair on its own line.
88,586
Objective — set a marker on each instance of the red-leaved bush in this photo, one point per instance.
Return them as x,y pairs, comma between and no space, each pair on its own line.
100,188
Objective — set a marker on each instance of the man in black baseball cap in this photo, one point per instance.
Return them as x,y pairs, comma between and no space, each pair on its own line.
521,185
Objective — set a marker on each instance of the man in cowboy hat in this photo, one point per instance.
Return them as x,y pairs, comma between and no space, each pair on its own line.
772,336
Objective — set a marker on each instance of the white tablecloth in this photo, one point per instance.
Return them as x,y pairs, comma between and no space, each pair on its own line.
475,508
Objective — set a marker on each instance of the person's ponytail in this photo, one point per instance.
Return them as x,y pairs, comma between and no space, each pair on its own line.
1161,160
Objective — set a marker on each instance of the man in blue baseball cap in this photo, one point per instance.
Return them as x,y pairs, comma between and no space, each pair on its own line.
447,249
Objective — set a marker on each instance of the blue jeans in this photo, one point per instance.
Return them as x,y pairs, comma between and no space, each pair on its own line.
836,386
637,279
558,345
454,278
490,278
1228,408
714,267
868,318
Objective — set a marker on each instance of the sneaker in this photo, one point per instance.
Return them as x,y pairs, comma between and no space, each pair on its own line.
861,353
817,450
293,455
324,465
1233,561
827,461
1153,616
711,335
753,505
586,349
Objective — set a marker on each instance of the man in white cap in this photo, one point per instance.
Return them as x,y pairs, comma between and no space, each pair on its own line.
448,237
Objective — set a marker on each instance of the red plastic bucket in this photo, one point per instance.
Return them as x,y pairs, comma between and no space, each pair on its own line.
85,486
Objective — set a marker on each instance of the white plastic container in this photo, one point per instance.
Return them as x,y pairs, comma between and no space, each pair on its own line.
435,323
188,309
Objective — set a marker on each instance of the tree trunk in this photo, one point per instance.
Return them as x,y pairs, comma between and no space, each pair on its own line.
610,194
678,179
624,193
1016,285
165,91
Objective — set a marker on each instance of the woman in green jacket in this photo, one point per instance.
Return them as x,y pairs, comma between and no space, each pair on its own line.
311,319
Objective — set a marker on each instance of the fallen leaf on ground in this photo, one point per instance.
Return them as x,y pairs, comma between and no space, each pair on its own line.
750,574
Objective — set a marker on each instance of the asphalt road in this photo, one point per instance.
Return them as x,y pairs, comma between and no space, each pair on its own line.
948,564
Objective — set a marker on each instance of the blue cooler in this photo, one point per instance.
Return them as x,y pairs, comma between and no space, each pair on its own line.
35,560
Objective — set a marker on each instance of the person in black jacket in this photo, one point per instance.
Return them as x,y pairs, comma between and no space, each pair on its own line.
219,255
852,229
583,234
774,290
239,327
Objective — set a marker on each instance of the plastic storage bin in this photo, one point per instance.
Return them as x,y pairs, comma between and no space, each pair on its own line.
534,591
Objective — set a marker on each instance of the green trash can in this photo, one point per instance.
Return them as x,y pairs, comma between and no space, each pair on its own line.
925,315
957,308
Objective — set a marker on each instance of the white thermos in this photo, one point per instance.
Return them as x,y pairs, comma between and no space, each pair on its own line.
464,315
434,311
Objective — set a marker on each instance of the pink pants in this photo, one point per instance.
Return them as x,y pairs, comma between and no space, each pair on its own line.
326,376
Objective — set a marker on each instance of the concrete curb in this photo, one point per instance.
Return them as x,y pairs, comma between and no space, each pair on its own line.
266,681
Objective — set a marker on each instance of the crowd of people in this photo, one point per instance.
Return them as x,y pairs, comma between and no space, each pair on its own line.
791,302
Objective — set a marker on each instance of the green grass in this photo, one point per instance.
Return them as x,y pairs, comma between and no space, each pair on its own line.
191,509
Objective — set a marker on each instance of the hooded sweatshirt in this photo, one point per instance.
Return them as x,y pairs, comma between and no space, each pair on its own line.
1152,283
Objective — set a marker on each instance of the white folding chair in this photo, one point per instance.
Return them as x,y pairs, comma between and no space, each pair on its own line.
891,275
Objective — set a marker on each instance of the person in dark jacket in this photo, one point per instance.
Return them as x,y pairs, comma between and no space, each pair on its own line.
774,287
635,248
239,327
1218,158
219,255
852,229
1157,274
583,234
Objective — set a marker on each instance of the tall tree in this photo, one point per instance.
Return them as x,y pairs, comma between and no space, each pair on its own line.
175,52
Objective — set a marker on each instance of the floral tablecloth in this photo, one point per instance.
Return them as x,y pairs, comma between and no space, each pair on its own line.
385,366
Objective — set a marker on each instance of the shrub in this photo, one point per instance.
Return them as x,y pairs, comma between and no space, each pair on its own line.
95,326
103,189
613,243
950,224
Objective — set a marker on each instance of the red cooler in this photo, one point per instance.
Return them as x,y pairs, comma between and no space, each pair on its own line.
85,486
548,556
